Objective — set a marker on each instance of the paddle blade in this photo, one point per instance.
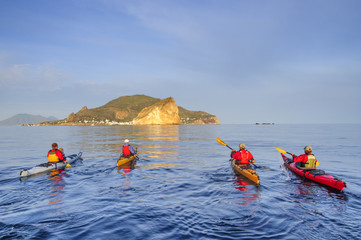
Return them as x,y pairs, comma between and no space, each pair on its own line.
317,163
281,150
221,142
68,165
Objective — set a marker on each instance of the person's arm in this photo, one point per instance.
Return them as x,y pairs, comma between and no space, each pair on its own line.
236,155
251,158
131,149
60,155
300,158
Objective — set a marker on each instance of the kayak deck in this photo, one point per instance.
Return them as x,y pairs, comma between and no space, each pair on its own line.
124,160
249,173
315,175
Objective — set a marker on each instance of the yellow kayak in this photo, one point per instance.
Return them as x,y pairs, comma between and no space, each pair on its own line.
124,160
247,172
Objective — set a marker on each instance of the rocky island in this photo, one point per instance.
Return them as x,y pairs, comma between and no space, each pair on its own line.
136,110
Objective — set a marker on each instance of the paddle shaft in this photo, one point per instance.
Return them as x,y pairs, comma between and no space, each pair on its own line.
229,147
282,151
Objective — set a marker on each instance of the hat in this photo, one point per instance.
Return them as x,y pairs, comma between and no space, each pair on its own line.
308,149
242,146
126,141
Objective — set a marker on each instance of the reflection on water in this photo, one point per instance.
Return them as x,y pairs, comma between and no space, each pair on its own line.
57,185
160,141
127,167
125,170
250,191
159,165
157,151
159,133
107,141
316,199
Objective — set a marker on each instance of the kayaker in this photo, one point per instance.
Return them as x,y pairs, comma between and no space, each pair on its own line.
307,160
128,149
55,155
243,156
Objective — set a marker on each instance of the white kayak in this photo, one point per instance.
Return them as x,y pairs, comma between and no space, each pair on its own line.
50,166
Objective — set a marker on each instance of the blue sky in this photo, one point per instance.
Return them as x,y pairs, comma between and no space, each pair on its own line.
246,61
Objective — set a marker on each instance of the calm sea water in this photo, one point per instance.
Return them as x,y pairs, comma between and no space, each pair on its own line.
183,186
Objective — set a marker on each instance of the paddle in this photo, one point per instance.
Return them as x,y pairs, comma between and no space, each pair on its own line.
224,144
283,151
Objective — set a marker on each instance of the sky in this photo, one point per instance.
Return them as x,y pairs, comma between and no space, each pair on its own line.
245,61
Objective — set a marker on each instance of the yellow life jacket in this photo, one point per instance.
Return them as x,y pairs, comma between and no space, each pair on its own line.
53,157
311,161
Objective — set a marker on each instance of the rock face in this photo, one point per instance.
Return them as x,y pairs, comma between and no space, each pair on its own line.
164,112
83,109
71,117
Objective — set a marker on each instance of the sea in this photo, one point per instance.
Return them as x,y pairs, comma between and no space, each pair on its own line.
182,186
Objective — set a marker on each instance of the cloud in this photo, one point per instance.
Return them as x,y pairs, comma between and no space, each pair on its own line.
29,76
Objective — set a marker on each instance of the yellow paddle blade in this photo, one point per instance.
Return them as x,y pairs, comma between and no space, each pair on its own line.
221,142
281,150
317,163
68,165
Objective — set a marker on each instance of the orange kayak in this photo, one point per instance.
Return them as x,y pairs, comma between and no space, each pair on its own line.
249,173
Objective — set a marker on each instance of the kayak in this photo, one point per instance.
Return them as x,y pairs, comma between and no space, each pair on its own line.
123,160
44,167
249,173
314,174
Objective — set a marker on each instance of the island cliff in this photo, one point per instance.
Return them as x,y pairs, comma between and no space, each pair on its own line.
162,112
137,110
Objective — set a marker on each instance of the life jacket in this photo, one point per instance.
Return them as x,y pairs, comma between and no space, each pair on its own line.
245,156
126,151
311,161
52,157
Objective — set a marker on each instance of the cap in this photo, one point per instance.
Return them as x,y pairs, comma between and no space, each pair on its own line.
308,149
126,141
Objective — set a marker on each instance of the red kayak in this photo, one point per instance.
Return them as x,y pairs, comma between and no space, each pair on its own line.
314,174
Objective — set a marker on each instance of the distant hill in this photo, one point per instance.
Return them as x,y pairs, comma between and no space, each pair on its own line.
20,119
125,109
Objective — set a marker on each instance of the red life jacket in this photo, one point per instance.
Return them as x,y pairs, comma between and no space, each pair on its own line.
126,151
242,156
